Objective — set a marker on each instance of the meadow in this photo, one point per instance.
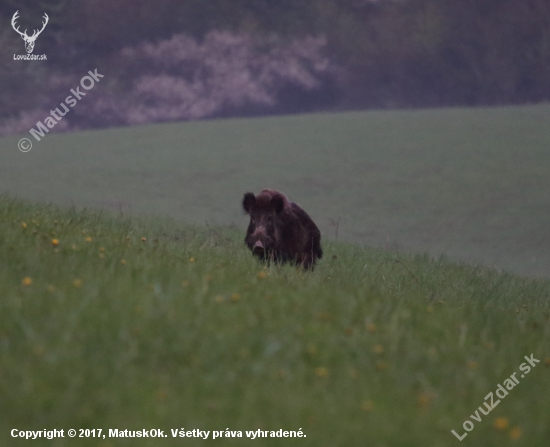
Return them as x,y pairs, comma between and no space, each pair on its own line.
472,184
119,322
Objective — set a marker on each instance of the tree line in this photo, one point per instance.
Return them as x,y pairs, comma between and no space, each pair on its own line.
382,53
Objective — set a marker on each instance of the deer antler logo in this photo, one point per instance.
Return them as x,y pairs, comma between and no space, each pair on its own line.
29,40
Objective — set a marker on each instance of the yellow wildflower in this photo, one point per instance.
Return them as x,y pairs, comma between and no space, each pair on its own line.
367,405
321,371
515,433
424,399
501,423
378,349
323,315
26,281
161,395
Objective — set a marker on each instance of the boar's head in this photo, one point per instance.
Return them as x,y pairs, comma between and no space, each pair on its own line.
263,236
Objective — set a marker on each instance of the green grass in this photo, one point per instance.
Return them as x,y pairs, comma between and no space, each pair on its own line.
473,184
372,348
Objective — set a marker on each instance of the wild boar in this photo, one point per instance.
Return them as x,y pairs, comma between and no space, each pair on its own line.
281,231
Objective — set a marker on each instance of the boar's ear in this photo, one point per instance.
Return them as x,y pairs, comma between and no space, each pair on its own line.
248,202
278,203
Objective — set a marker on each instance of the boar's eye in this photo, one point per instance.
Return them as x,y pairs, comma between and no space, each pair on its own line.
253,220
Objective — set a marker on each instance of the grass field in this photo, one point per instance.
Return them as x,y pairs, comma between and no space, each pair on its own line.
473,184
126,323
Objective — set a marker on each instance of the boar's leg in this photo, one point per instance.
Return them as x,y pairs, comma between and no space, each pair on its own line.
306,260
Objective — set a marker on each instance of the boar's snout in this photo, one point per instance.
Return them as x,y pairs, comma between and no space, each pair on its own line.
258,249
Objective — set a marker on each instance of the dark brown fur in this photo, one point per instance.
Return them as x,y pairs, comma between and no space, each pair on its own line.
280,230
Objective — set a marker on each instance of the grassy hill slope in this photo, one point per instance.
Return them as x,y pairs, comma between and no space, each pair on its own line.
119,323
473,184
